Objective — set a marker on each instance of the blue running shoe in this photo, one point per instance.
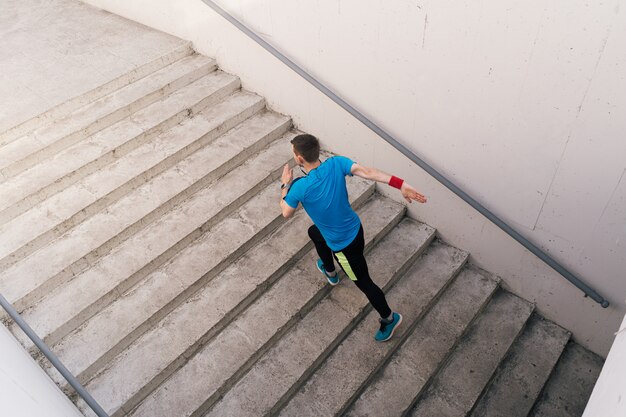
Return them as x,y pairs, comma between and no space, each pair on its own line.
386,329
331,280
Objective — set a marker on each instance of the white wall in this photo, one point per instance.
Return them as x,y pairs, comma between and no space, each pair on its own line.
522,104
608,398
25,389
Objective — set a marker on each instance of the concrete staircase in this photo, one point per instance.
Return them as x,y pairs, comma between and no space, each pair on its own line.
141,238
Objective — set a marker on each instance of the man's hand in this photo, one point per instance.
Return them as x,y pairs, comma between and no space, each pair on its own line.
287,176
409,193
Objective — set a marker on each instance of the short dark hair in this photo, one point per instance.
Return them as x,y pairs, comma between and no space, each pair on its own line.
307,146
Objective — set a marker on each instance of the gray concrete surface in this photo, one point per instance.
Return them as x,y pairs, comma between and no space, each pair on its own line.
68,254
71,303
191,265
115,141
456,387
568,390
524,372
135,153
218,303
393,389
349,368
27,151
59,171
54,50
310,341
233,352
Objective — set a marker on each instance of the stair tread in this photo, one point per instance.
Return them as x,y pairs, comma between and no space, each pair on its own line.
456,387
61,111
28,183
61,207
524,372
22,278
223,356
94,112
68,300
213,302
257,392
342,373
569,388
332,388
96,337
418,358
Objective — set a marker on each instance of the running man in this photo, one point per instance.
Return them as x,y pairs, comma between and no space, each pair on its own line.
337,231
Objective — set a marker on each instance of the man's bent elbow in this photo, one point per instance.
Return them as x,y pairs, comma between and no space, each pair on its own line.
287,212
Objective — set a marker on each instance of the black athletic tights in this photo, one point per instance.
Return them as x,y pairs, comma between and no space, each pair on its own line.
352,262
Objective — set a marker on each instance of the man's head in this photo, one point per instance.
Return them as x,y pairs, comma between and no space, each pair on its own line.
306,148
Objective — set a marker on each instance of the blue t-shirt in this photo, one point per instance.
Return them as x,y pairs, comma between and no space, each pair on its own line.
324,196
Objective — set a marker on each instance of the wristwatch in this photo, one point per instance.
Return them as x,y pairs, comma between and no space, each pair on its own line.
283,185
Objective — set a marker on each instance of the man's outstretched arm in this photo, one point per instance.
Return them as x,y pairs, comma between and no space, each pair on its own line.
409,193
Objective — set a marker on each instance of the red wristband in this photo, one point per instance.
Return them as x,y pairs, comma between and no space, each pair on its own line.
396,182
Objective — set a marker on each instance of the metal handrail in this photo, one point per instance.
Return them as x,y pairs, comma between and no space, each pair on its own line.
84,394
409,154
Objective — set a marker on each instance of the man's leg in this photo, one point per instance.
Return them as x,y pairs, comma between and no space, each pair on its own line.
324,252
352,261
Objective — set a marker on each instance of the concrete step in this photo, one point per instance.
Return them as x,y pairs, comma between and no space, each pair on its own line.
96,342
524,372
230,354
392,390
25,282
28,150
218,303
134,158
329,388
64,109
457,386
568,390
298,353
349,370
69,305
59,171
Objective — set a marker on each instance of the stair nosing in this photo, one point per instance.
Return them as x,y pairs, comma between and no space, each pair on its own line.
403,337
180,198
367,195
552,371
97,367
505,359
179,299
476,306
450,354
114,195
506,354
59,144
445,358
321,294
262,184
29,201
318,363
88,259
229,317
175,201
62,110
